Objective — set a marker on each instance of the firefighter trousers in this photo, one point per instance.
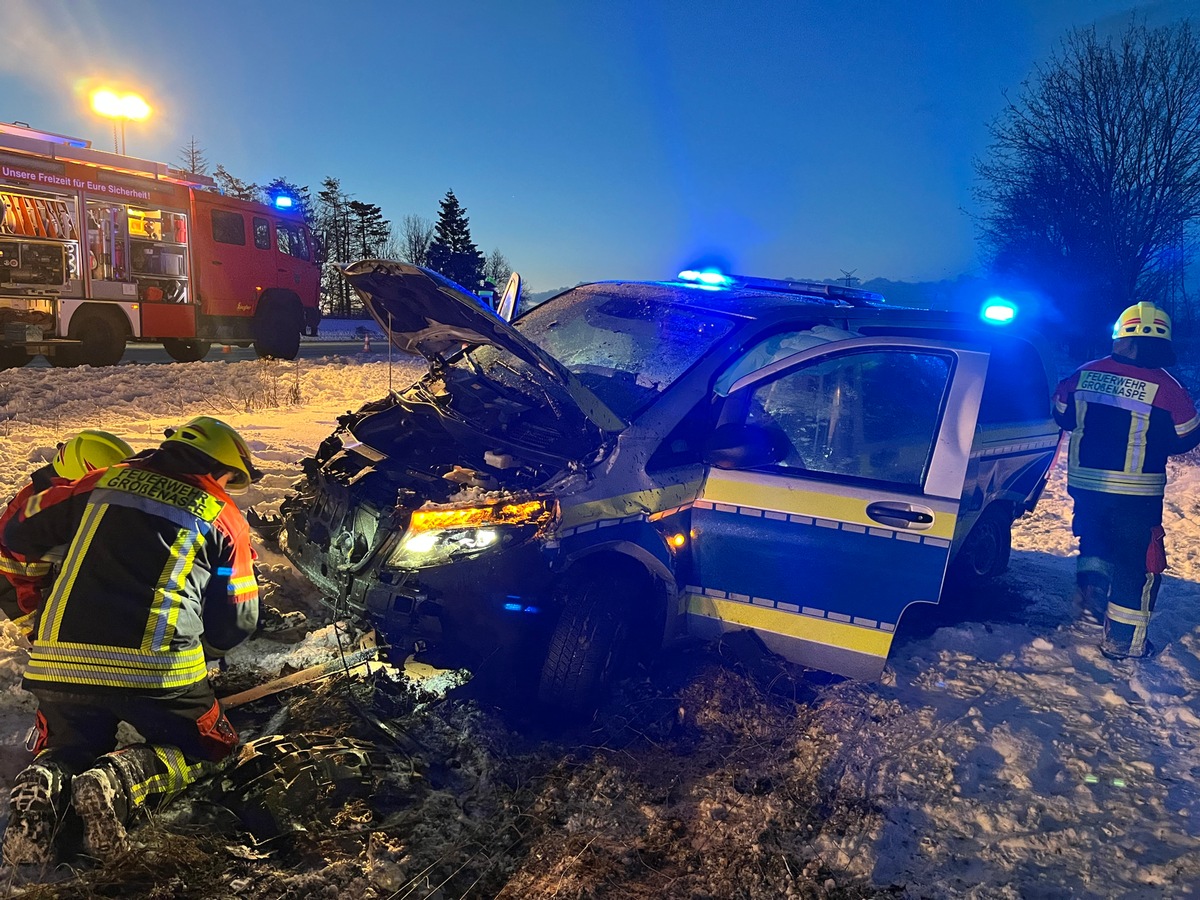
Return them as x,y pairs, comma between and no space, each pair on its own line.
186,732
1120,557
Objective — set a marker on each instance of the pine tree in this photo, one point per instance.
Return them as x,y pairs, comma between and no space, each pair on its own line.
232,186
301,199
368,228
192,158
333,224
452,252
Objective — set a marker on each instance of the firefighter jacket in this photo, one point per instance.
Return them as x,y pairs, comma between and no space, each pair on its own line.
158,570
30,577
1125,420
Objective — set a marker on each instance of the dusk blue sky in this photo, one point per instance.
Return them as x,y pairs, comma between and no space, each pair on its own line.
586,140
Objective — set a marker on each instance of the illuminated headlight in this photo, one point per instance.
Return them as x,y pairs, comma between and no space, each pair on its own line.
438,536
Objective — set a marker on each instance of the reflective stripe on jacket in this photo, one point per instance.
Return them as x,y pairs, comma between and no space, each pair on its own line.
1125,420
156,563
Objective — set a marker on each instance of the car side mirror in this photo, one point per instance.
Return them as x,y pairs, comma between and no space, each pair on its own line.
735,445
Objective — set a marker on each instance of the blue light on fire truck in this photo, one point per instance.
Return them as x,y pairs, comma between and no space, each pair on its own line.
283,201
998,311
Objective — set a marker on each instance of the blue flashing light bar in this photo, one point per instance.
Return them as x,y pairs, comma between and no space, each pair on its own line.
283,201
709,277
998,311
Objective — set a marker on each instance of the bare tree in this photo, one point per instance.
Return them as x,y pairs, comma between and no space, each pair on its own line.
192,158
1093,180
416,234
497,268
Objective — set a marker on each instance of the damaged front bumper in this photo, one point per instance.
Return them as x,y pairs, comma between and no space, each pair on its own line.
487,608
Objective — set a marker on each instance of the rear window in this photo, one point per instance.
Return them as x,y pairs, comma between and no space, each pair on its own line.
228,227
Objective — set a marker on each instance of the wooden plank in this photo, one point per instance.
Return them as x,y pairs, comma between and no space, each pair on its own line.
358,662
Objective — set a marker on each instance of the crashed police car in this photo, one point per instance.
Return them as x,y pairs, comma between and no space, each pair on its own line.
634,462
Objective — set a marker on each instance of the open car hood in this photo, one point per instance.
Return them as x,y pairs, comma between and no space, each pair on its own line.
424,312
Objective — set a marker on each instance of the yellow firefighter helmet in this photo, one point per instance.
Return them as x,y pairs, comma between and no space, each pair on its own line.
88,450
218,441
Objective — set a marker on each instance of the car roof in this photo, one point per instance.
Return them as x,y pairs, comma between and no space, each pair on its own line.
770,299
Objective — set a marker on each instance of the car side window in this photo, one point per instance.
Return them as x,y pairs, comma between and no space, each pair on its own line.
1016,389
872,414
685,444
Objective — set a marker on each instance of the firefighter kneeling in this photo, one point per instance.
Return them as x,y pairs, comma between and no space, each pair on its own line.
158,575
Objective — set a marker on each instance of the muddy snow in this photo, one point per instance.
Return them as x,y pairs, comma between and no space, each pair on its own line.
1001,756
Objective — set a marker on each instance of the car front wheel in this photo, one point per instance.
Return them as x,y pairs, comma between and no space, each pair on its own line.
589,642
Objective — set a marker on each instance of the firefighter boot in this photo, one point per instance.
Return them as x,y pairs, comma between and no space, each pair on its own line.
101,801
1090,603
35,815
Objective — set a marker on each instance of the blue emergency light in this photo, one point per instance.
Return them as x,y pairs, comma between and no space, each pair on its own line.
708,277
998,311
283,201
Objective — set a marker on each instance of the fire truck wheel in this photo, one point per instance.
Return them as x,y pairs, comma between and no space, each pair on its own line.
13,357
102,339
277,326
183,350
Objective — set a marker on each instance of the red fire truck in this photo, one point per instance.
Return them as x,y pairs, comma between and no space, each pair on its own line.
99,249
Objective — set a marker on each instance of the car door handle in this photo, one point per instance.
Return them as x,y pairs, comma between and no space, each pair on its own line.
901,515
216,262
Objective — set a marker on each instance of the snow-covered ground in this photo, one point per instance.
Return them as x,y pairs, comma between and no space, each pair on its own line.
1001,756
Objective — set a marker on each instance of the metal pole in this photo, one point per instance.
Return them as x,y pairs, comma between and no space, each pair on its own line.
116,148
123,137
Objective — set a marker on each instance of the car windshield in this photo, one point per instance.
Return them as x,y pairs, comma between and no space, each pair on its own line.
625,345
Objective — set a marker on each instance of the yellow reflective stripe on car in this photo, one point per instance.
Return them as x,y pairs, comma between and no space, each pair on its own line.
168,599
638,503
835,507
56,605
856,638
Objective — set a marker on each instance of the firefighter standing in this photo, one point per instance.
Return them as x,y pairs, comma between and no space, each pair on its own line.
158,576
29,578
1126,415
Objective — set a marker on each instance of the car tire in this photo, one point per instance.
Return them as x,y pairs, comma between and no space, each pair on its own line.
986,551
186,349
589,643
